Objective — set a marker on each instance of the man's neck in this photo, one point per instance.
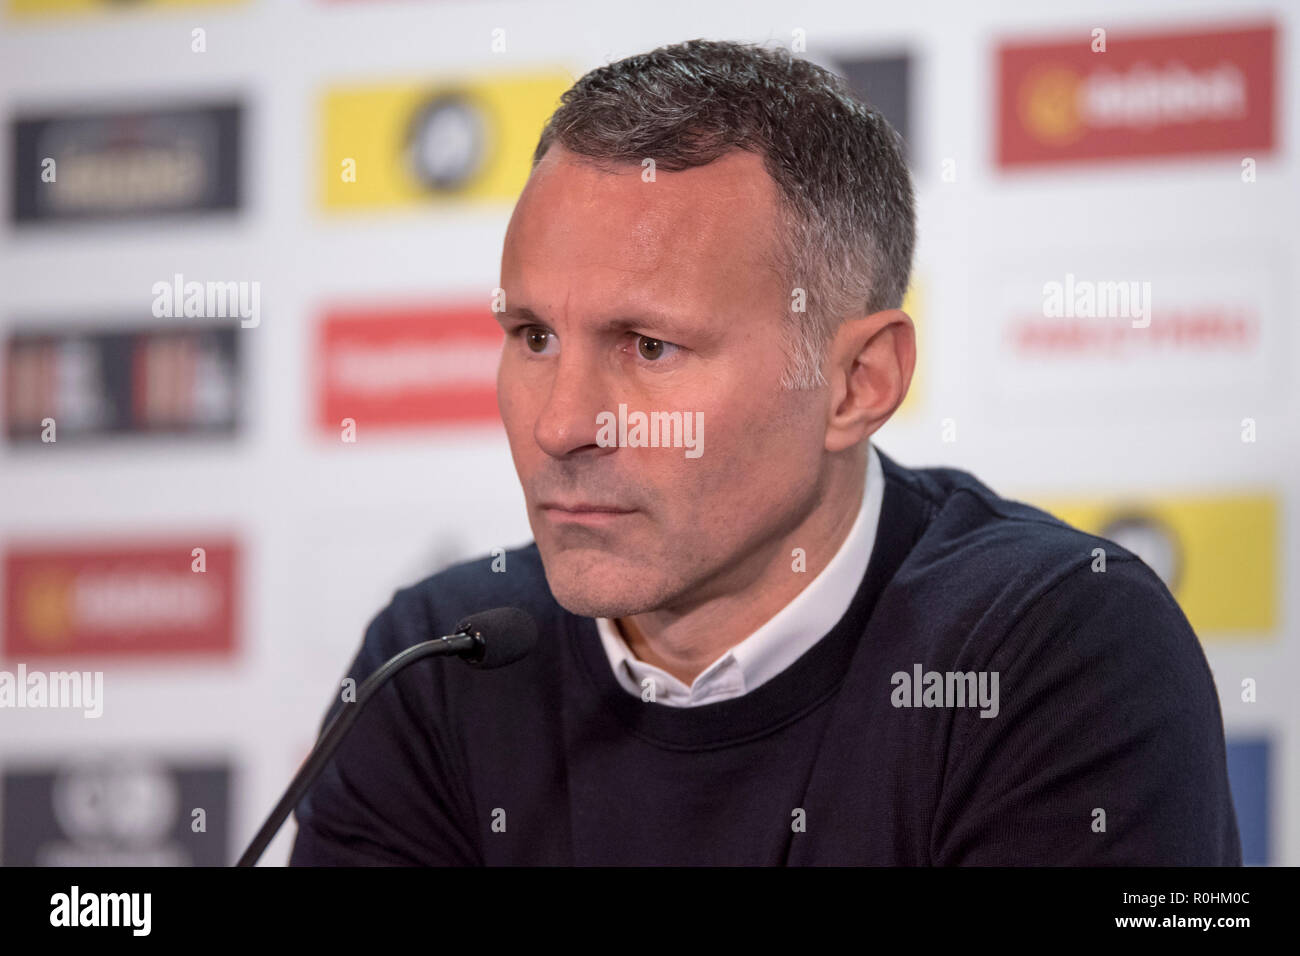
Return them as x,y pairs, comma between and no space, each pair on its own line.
684,644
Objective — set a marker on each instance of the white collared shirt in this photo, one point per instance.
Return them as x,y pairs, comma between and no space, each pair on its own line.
783,639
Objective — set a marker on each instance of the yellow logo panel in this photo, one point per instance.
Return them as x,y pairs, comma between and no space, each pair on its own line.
1218,555
41,8
912,304
411,143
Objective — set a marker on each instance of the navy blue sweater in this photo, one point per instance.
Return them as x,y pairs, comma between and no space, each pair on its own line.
1106,747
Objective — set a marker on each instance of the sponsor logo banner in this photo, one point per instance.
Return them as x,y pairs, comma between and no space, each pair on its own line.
121,600
89,383
399,367
71,167
1153,94
884,82
1249,762
128,810
1217,554
407,143
42,8
1094,333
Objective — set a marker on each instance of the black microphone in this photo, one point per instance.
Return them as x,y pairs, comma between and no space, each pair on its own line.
513,635
485,640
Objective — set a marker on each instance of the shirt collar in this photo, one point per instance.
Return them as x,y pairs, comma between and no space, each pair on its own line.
785,637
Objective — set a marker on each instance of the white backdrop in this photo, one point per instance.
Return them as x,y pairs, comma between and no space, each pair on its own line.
328,531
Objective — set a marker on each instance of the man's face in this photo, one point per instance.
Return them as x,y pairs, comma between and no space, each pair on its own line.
661,296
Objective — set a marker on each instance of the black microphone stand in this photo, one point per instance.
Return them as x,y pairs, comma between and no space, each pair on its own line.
460,643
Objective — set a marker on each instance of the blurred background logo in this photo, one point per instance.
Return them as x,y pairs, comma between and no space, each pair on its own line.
124,599
98,383
470,140
121,165
133,809
1155,93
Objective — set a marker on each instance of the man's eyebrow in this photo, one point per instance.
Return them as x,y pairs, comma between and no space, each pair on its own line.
521,314
659,321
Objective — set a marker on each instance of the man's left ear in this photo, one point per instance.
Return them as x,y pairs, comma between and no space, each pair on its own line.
869,368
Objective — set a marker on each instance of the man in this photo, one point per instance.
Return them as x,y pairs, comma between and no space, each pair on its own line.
762,641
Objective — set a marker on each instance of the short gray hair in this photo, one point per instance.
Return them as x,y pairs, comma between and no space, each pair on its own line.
848,205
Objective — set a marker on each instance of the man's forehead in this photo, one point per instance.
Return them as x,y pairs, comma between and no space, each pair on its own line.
739,172
719,217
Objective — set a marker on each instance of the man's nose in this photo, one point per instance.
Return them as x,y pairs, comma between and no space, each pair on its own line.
567,422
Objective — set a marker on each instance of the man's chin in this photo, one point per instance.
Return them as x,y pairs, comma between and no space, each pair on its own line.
590,588
585,600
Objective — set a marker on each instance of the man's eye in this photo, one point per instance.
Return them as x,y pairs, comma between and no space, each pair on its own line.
653,349
537,339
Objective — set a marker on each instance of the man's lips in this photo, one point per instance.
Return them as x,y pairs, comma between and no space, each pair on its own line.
582,512
583,507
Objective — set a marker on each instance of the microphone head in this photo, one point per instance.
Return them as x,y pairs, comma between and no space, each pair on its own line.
503,635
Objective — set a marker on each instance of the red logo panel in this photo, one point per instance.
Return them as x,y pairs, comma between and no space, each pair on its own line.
1147,95
120,600
408,367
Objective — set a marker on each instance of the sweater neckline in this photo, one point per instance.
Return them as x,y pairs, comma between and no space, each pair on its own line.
807,683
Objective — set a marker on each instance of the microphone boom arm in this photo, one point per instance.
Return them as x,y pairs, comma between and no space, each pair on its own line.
463,644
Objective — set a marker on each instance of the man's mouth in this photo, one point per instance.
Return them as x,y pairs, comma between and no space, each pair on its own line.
582,512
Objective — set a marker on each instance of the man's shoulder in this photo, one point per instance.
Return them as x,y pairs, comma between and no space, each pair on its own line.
1005,556
966,513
